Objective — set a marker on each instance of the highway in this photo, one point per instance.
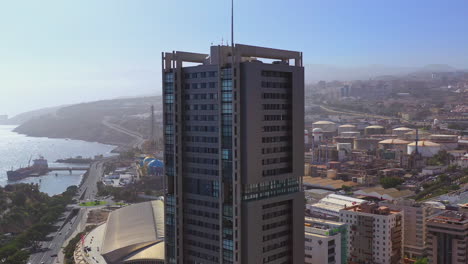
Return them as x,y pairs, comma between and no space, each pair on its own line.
138,138
347,112
77,223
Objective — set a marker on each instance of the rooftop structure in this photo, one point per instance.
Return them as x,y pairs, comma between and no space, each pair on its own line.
384,194
135,232
326,183
330,206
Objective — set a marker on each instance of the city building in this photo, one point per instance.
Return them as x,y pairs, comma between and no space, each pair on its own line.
234,155
375,233
325,241
447,238
414,226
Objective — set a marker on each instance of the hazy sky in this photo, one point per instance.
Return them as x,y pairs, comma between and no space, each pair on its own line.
60,52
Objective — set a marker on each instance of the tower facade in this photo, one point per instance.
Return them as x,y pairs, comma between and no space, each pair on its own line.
233,131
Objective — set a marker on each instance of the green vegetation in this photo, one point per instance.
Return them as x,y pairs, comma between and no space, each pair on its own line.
129,193
28,215
390,182
70,248
93,203
442,185
440,159
421,261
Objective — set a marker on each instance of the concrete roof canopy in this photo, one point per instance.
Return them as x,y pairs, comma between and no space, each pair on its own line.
134,228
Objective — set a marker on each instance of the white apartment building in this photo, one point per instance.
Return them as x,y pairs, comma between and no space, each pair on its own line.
375,233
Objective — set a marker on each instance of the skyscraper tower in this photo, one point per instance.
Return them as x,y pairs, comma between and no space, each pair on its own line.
234,155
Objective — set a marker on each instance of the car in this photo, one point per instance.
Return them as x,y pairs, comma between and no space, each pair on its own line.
53,256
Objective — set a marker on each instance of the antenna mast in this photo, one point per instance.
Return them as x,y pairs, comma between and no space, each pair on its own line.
232,24
152,124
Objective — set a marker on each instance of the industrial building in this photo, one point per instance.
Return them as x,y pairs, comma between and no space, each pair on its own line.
329,207
234,155
375,233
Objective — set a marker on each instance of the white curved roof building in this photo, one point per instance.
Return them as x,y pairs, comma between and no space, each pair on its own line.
135,234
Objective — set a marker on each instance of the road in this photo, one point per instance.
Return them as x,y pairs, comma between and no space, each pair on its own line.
138,139
77,223
346,112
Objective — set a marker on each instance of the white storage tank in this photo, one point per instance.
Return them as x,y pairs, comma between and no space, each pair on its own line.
351,134
317,134
374,130
425,148
346,128
326,126
400,131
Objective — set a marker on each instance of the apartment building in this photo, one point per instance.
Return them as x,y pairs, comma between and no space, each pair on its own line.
375,234
447,238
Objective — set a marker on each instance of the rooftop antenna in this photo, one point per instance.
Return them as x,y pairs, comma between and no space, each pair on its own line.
232,23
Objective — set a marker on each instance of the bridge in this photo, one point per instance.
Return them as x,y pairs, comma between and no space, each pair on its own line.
70,169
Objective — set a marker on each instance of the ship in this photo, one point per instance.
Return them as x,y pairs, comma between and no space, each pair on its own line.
39,167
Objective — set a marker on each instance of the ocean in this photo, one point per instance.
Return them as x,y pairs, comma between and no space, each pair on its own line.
16,150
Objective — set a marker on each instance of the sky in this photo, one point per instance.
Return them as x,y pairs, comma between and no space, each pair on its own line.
55,52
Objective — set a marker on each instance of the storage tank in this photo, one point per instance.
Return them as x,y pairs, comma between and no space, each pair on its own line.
346,128
374,130
338,140
425,148
412,135
400,131
351,134
317,134
366,143
447,142
396,144
326,126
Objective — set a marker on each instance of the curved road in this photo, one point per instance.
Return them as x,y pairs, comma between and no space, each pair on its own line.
88,191
138,138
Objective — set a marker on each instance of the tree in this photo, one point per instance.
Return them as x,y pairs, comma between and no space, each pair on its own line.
421,261
390,182
346,188
19,199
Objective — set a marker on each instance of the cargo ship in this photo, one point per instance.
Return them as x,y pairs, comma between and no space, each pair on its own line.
40,167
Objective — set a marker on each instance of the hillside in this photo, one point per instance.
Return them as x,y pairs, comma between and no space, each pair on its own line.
90,121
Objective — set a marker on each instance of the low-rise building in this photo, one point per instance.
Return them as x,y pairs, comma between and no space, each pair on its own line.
330,206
